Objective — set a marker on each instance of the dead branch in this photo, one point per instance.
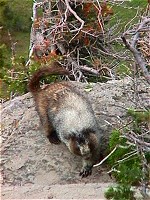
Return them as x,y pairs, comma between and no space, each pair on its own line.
132,46
135,139
75,15
62,30
102,161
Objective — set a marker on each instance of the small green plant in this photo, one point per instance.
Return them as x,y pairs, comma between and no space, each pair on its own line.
129,163
15,76
3,56
120,192
139,116
123,70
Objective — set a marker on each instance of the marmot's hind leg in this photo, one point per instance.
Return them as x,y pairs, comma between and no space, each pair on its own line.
50,132
48,128
53,138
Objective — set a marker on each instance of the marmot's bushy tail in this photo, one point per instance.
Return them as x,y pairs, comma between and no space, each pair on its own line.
34,82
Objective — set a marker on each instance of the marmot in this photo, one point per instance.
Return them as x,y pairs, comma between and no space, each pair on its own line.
67,116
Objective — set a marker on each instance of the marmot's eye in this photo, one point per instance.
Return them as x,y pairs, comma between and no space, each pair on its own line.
77,145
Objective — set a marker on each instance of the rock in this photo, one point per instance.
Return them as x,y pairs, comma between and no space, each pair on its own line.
72,191
29,159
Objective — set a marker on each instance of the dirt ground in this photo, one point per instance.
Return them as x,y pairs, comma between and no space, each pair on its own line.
36,169
32,168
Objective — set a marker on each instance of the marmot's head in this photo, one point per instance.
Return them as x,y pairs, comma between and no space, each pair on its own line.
83,143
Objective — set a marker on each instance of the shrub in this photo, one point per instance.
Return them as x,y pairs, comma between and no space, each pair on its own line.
129,163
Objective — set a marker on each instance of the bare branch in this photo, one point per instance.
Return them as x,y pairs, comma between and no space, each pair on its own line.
75,15
102,161
133,48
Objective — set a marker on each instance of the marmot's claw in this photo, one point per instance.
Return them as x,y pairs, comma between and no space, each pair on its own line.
86,172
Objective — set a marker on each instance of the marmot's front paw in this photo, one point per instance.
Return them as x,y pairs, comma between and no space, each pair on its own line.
86,171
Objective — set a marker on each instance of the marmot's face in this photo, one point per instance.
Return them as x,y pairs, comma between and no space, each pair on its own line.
83,147
79,145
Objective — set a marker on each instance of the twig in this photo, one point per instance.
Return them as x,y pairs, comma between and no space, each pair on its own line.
106,157
75,15
88,69
126,158
132,47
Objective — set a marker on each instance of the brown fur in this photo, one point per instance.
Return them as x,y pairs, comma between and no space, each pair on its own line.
66,117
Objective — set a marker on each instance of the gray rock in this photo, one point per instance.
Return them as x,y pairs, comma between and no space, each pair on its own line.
29,158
